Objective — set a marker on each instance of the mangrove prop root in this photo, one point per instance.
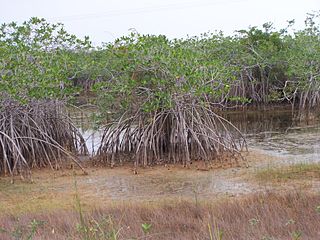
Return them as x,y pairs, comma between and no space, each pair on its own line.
35,135
187,132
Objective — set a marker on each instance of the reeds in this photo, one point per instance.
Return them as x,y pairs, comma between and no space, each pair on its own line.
35,135
188,131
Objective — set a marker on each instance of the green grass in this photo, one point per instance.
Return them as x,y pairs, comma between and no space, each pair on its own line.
302,171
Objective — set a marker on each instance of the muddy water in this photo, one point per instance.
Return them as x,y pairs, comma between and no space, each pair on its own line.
295,145
273,134
277,134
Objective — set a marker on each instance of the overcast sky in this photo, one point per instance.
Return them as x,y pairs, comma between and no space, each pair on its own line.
105,20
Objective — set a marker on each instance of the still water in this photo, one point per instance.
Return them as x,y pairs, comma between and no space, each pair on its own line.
278,133
275,134
273,131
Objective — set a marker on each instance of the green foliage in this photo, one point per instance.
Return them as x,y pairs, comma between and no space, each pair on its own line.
296,235
257,65
21,232
254,221
146,227
303,70
37,58
34,225
254,66
153,70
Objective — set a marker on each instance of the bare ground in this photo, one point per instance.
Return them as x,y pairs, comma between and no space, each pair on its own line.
179,202
55,190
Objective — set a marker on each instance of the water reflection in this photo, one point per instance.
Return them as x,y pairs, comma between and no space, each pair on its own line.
274,132
92,138
279,133
83,117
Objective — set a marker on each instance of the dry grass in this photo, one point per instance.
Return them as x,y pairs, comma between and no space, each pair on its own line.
303,171
50,190
264,216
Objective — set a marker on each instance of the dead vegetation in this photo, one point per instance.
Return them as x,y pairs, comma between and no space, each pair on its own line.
262,216
35,135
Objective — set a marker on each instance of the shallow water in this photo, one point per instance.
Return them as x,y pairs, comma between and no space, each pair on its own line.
278,134
274,133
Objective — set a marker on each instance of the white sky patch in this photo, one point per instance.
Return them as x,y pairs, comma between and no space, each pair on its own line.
105,20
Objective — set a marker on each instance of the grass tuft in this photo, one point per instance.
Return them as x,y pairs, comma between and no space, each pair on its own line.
300,171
